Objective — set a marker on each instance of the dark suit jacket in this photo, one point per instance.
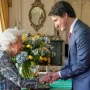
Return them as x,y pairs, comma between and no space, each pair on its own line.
78,67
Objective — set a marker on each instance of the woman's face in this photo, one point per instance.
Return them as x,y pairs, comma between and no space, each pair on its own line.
17,47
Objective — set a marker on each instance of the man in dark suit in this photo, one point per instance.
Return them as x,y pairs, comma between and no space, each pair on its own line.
78,66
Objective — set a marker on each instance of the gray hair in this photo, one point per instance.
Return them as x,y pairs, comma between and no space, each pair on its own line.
9,36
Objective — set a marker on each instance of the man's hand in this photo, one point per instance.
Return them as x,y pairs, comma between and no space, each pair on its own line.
45,78
49,77
54,76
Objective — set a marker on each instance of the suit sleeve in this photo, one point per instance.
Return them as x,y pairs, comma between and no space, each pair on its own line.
83,58
66,65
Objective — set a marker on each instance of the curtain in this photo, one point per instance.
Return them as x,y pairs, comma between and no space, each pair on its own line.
0,27
4,14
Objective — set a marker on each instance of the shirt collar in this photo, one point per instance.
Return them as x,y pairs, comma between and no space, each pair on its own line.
72,25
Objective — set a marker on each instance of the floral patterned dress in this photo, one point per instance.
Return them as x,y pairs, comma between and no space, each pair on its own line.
9,71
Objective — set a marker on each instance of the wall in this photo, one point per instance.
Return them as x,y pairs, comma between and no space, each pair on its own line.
82,9
20,10
19,14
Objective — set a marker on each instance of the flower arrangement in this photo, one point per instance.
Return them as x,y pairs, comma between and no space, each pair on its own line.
37,50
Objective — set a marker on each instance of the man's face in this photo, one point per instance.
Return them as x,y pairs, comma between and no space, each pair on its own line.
60,22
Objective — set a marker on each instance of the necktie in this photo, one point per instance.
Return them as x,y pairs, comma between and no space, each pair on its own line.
69,36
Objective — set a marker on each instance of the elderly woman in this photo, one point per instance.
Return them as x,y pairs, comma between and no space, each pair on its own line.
11,45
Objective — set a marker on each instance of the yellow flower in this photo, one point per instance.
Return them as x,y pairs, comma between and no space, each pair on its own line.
33,38
45,59
29,46
41,58
43,48
37,36
24,38
30,57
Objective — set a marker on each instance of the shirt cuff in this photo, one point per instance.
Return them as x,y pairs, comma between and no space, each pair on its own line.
59,73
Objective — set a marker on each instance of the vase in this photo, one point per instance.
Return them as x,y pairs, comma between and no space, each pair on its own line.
30,70
27,70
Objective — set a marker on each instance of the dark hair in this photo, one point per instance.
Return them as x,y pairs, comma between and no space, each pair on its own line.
62,7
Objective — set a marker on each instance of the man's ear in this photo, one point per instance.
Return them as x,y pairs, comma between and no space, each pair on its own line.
65,15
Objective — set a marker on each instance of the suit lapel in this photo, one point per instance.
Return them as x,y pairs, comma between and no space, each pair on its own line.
72,37
74,30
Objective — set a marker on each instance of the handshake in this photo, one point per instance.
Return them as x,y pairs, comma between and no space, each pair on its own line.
49,77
